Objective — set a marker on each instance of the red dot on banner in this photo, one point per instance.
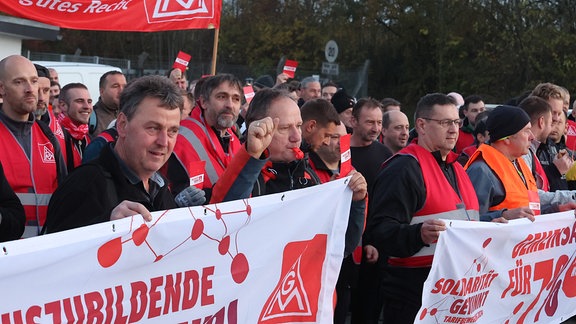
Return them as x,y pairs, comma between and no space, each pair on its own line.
110,252
239,268
433,311
518,308
478,267
140,234
224,245
488,240
423,314
218,214
158,258
197,229
248,210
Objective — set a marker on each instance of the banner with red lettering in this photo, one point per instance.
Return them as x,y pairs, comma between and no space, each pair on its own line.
119,15
271,259
520,272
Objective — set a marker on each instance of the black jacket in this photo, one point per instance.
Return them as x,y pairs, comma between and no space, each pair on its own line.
13,218
90,193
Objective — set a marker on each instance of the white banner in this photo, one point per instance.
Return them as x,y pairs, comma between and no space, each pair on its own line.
520,272
271,259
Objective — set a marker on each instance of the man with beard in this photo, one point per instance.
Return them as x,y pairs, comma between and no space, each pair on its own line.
29,151
207,140
76,106
43,110
395,130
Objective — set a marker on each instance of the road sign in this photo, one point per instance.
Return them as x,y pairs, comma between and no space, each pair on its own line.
331,51
330,68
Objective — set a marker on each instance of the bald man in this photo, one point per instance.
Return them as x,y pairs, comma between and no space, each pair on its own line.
29,151
395,130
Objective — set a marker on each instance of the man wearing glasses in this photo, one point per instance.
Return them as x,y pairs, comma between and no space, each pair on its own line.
412,189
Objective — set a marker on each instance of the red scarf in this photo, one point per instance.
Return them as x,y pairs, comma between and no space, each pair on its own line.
77,132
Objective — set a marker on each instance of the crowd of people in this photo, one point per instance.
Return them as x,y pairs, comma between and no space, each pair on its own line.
158,142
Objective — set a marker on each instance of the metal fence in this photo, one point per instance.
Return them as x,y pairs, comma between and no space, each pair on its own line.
355,81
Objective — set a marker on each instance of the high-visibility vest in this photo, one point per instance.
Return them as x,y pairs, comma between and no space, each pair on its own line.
442,201
518,194
198,142
33,180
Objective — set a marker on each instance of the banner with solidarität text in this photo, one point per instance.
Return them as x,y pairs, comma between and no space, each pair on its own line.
520,272
270,259
119,15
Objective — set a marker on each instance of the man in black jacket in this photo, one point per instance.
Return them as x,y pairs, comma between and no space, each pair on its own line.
124,181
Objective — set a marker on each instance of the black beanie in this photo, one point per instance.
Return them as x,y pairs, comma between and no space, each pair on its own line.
264,81
342,101
42,71
504,121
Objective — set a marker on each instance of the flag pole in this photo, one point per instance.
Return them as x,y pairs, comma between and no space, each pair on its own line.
215,51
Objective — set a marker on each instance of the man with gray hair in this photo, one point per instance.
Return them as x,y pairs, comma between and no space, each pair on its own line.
309,89
124,181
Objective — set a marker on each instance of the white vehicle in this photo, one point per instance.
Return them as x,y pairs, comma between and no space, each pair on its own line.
87,73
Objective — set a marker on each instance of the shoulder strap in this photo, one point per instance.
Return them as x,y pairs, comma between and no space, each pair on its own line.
310,171
62,172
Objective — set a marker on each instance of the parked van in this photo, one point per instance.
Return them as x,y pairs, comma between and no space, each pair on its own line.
87,73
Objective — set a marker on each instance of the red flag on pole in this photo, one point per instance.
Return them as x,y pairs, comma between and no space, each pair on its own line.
120,15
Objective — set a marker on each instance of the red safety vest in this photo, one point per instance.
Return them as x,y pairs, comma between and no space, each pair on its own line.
464,140
442,201
33,180
198,142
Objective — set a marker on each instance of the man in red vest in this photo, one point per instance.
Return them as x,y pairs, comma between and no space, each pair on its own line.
418,185
76,105
207,140
29,151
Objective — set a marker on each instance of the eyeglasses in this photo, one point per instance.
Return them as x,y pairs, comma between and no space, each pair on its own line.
446,122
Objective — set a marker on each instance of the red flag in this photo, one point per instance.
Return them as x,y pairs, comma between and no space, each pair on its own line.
248,93
290,68
345,156
182,61
571,136
120,15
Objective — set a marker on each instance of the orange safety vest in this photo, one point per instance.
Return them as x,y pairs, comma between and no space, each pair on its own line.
33,180
517,194
198,142
442,201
